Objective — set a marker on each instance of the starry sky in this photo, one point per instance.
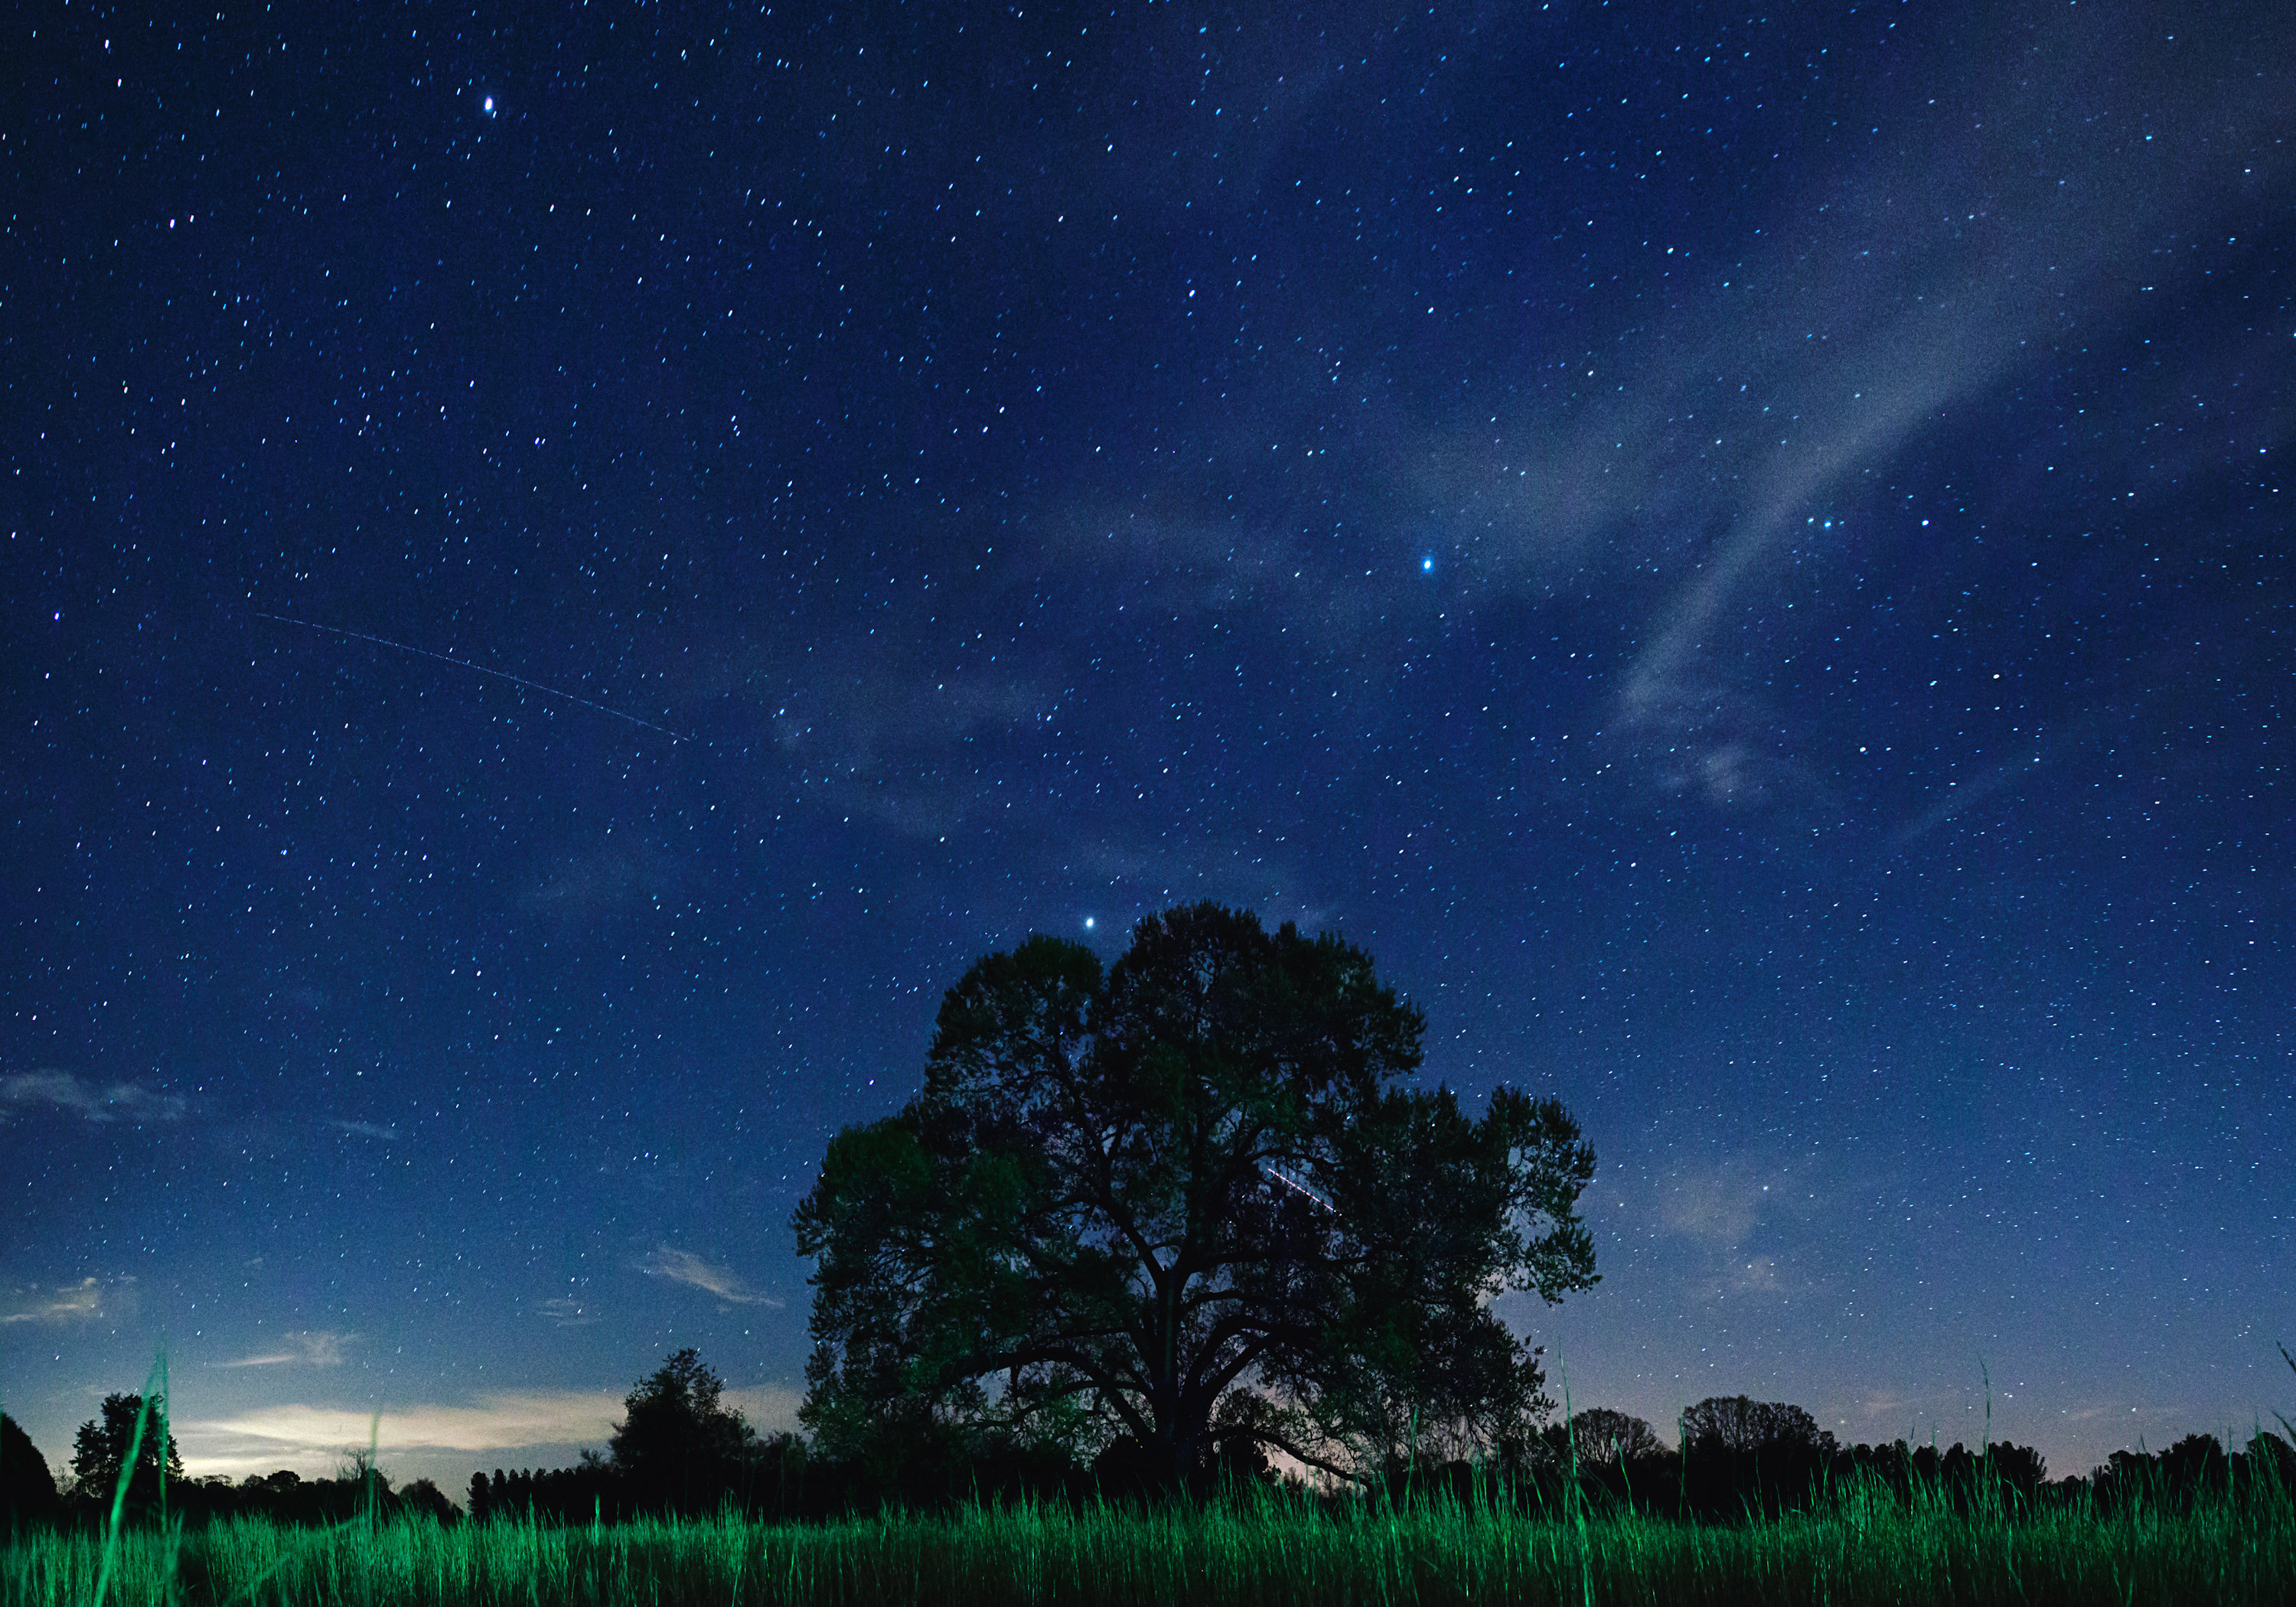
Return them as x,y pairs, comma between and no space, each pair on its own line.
569,569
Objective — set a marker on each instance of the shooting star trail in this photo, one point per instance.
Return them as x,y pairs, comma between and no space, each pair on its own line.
1290,1182
360,635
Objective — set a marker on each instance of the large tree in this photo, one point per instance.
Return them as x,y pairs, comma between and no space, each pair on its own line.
102,1449
678,1446
28,1490
1179,1211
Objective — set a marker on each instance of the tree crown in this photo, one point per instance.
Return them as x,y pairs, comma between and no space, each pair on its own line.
1180,1206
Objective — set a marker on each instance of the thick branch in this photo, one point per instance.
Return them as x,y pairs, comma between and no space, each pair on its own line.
1267,1436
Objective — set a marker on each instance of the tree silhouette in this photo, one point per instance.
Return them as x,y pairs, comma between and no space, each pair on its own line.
1766,1453
677,1446
1602,1435
1733,1422
27,1489
101,1450
1175,1214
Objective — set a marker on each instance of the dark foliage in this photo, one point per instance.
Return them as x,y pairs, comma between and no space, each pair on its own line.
2196,1468
27,1489
286,1497
1767,1455
1601,1436
678,1449
590,1491
1755,1478
102,1450
1173,1218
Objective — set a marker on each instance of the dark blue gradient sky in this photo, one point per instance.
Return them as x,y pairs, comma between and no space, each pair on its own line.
567,570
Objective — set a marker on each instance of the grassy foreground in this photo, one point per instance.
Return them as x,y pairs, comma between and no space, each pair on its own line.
1868,1548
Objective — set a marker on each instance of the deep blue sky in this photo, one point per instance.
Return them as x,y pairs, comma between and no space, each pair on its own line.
1745,558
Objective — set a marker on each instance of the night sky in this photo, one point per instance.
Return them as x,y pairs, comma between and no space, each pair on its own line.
567,570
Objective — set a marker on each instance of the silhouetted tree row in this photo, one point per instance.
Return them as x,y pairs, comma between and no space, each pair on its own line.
31,1496
681,1450
287,1496
1744,1458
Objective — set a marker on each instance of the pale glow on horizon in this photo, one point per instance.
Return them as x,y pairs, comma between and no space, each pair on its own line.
325,1437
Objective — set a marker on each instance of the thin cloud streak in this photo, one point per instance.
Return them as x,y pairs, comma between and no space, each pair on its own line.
314,1348
364,1129
683,1267
64,1091
80,1302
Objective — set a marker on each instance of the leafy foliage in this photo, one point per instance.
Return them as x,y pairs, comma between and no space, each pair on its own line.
1606,1435
1176,1215
679,1448
101,1450
28,1490
1734,1424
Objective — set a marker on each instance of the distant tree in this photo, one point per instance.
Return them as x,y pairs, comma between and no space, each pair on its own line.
1600,1435
27,1489
678,1446
2271,1460
1175,1215
2195,1463
424,1496
2020,1468
101,1451
1740,1454
1733,1422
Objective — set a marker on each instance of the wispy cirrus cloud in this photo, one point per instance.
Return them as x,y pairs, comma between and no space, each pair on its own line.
683,1267
88,1300
312,1349
568,1312
363,1129
66,1093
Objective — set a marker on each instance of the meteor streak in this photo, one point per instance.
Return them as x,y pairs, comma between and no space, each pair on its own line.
358,636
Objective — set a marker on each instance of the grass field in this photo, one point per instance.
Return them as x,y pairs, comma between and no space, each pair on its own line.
1868,1546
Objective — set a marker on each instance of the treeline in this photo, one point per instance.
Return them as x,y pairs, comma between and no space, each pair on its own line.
1745,1459
156,1487
680,1450
1738,1457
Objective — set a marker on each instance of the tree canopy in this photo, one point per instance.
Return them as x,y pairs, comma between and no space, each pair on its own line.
1737,1424
27,1489
1177,1212
1603,1434
678,1446
104,1443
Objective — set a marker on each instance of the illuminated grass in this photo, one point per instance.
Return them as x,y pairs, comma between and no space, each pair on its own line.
1868,1546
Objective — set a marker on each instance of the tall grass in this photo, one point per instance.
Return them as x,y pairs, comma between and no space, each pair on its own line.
1867,1544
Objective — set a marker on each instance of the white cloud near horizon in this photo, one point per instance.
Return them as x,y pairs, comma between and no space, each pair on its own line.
683,1267
491,1426
769,1409
271,1436
50,1089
